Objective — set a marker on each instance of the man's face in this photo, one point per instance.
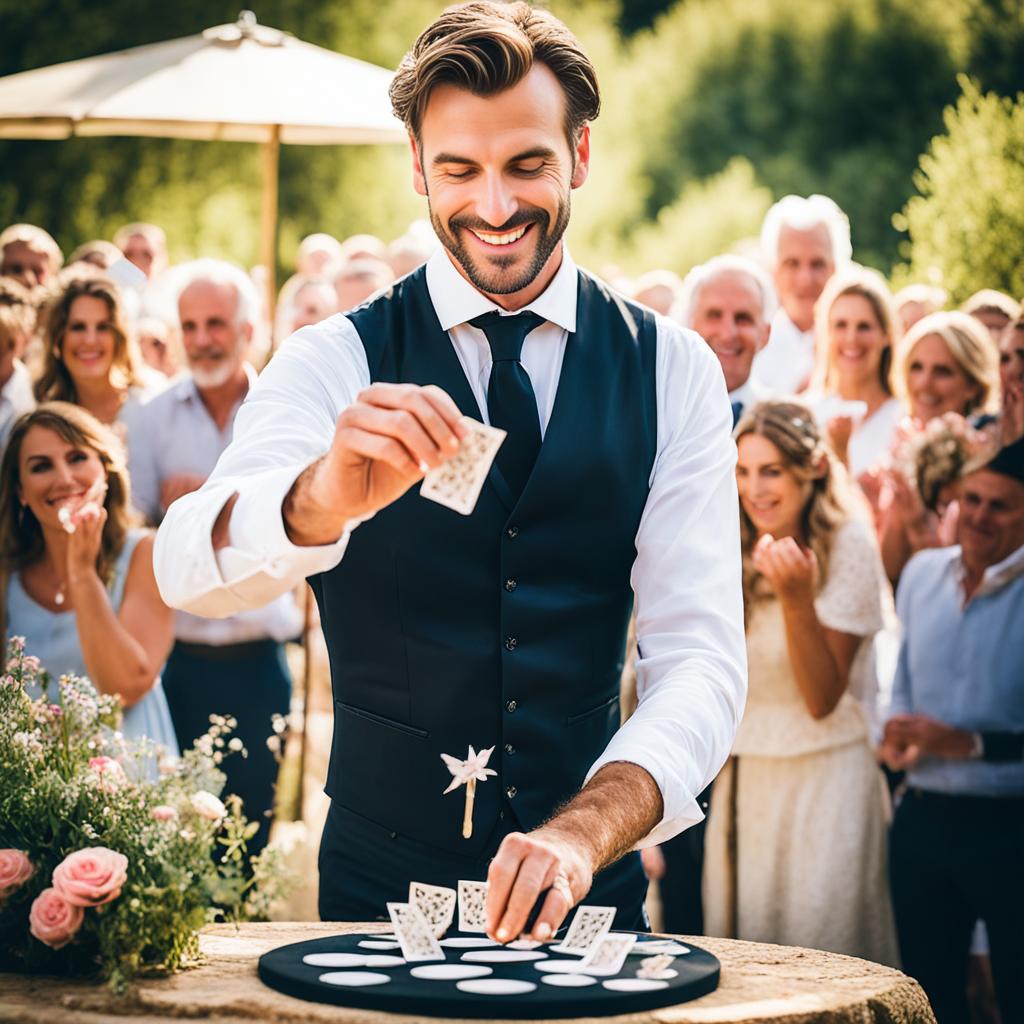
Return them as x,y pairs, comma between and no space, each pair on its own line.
215,343
140,251
803,268
729,316
497,172
991,523
26,265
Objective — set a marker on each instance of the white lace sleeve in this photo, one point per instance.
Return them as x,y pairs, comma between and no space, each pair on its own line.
851,600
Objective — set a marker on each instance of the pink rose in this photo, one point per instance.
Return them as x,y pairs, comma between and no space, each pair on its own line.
91,877
31,663
108,771
208,806
15,870
163,812
53,920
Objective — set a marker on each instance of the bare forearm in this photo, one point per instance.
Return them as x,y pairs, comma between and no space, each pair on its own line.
309,520
814,666
115,660
616,809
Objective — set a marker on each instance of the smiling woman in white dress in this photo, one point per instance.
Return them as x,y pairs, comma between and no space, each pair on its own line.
76,579
851,393
796,838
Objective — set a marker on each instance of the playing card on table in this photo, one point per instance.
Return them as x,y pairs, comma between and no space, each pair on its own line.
589,925
608,954
414,933
457,483
435,903
655,966
472,906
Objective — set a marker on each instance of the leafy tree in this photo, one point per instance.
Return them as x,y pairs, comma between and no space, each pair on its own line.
966,226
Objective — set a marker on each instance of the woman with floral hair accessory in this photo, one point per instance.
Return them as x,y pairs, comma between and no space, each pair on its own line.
76,576
796,840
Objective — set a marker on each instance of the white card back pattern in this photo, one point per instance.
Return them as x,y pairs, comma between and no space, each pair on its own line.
608,954
588,925
457,483
472,906
436,903
415,935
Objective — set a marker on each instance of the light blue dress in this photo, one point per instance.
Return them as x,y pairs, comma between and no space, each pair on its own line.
53,638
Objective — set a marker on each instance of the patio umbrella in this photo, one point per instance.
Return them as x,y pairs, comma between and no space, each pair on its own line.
240,83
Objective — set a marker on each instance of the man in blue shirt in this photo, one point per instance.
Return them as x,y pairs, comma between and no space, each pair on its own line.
957,728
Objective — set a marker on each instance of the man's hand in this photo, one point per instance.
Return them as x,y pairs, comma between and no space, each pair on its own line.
524,867
387,440
909,737
178,485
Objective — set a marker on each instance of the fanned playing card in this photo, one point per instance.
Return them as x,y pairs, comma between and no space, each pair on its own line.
457,483
436,903
414,933
588,925
472,906
608,954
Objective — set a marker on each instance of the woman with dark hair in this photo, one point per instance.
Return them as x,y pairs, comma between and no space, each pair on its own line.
796,838
88,358
76,576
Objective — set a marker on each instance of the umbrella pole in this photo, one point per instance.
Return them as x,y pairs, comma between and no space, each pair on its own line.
268,217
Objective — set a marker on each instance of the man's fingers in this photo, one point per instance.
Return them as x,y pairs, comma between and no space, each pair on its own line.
429,400
399,424
384,449
501,876
528,885
558,903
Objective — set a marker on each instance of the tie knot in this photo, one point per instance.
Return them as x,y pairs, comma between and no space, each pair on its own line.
505,334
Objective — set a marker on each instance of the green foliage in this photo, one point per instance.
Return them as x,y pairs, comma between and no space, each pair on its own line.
967,224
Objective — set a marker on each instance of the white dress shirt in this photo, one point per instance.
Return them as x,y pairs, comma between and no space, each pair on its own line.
785,363
691,669
748,394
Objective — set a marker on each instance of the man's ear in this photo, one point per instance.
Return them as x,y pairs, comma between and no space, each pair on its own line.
419,181
766,334
581,158
246,328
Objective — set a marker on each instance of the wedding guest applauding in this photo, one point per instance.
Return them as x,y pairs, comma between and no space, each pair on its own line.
851,394
946,363
795,850
87,356
76,577
29,254
957,728
804,241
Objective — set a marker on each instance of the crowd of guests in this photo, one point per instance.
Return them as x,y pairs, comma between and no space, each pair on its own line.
879,454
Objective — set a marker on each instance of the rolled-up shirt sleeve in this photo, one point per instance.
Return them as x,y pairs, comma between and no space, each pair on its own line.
285,424
692,663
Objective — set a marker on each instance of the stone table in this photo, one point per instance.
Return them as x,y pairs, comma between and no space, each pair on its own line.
759,983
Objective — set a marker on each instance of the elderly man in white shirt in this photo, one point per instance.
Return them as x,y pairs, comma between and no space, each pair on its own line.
805,241
505,628
235,665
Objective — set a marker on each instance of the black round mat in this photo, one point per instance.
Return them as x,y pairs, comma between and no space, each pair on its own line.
283,969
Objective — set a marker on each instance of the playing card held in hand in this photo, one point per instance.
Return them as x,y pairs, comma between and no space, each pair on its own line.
457,483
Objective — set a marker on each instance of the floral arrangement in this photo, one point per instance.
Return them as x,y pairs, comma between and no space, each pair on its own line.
112,856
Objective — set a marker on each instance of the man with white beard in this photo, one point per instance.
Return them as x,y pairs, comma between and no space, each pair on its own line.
233,666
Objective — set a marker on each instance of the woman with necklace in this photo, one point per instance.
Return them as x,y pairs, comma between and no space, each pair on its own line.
87,355
77,577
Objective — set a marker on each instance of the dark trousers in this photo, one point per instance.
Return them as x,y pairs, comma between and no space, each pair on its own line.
251,686
954,859
682,906
363,866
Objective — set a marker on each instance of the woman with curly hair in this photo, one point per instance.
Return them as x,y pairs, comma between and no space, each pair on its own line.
88,358
796,841
76,576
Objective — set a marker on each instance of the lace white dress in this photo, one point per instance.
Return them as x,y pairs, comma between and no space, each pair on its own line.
795,851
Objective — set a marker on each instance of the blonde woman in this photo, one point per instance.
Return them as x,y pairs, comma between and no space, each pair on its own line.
77,577
851,393
87,356
796,839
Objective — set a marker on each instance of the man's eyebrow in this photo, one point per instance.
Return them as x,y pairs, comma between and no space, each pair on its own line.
530,154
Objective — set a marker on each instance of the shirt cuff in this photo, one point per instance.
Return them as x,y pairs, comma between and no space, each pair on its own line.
681,810
258,542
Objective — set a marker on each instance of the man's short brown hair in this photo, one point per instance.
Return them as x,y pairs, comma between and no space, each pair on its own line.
486,48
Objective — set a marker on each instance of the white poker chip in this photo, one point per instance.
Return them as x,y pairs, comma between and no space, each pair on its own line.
383,960
634,984
353,979
665,975
568,980
502,956
335,959
378,944
560,966
450,972
496,987
650,948
467,943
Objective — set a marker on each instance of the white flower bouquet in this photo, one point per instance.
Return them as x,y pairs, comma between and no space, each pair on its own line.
112,856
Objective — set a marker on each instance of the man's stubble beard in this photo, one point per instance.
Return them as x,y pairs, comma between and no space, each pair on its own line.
490,282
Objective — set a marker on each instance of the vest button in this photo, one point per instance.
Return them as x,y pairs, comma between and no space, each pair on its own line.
509,749
511,706
511,643
511,792
512,532
511,584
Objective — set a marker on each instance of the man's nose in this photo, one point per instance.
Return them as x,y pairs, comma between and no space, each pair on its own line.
496,204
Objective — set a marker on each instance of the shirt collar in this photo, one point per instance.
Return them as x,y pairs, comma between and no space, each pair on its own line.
996,576
744,394
456,300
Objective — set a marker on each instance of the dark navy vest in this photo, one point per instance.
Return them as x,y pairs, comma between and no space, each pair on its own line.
504,628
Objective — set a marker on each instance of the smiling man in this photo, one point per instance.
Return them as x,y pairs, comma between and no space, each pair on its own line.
505,628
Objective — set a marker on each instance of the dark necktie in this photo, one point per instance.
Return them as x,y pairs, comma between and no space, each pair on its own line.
511,403
737,412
